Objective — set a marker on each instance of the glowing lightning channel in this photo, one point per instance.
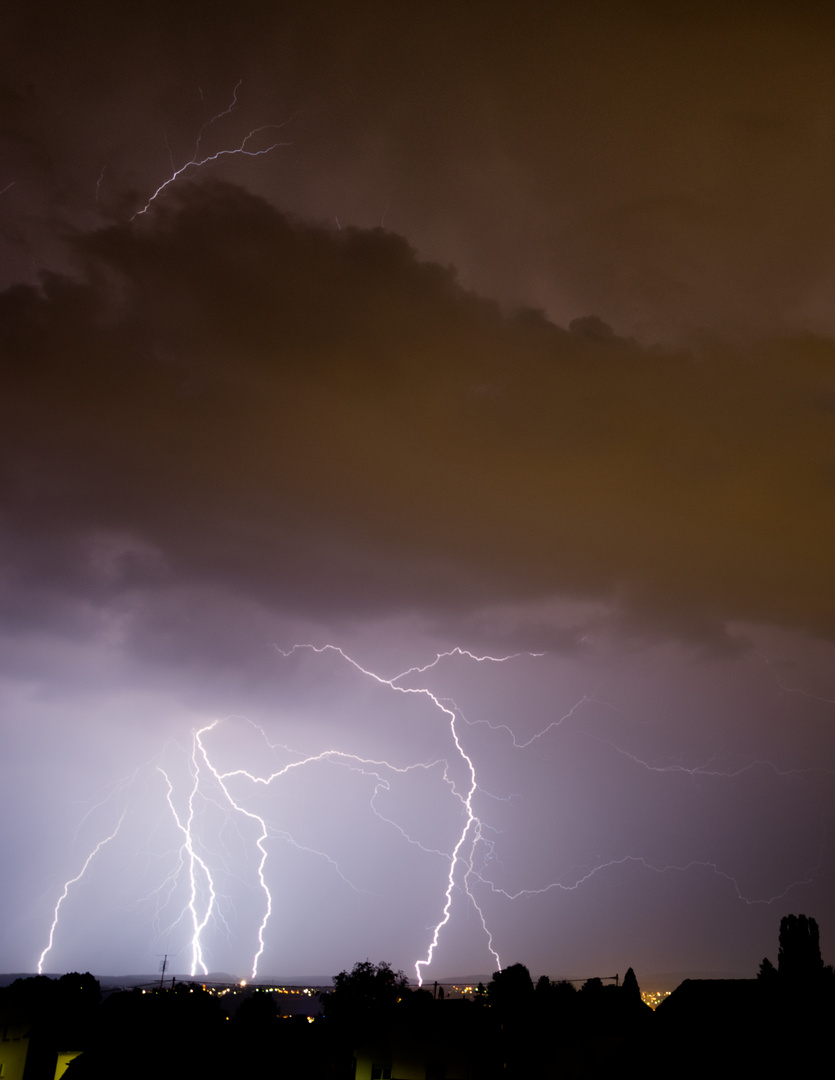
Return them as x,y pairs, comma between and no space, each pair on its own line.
586,699
463,852
67,885
198,867
209,782
365,766
259,843
197,162
787,689
646,865
198,922
457,651
201,906
709,768
218,116
625,860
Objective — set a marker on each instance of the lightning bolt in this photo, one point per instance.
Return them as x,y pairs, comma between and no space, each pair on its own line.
787,689
67,886
586,699
462,857
198,162
259,843
218,116
366,766
197,869
205,784
646,865
200,876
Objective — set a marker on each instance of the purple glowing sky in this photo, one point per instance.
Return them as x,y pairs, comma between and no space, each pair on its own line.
518,338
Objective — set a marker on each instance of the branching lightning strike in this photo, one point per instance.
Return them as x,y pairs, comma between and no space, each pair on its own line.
226,789
68,884
196,161
463,852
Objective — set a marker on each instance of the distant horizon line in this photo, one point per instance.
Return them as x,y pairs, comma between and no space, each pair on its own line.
325,982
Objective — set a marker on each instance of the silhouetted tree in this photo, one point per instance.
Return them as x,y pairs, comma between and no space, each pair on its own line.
511,988
630,987
34,995
515,1042
371,984
767,972
799,958
366,992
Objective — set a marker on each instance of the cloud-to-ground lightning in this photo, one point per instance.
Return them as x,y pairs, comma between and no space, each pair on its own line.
67,885
197,869
259,843
468,839
209,781
199,160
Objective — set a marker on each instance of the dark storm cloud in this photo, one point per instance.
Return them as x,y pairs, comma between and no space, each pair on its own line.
319,420
668,167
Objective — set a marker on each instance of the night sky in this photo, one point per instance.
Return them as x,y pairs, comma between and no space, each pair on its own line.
507,334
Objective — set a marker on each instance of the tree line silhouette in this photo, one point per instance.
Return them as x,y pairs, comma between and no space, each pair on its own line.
374,1026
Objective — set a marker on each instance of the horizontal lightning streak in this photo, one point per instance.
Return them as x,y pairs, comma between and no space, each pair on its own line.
364,766
198,164
639,861
793,689
708,768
